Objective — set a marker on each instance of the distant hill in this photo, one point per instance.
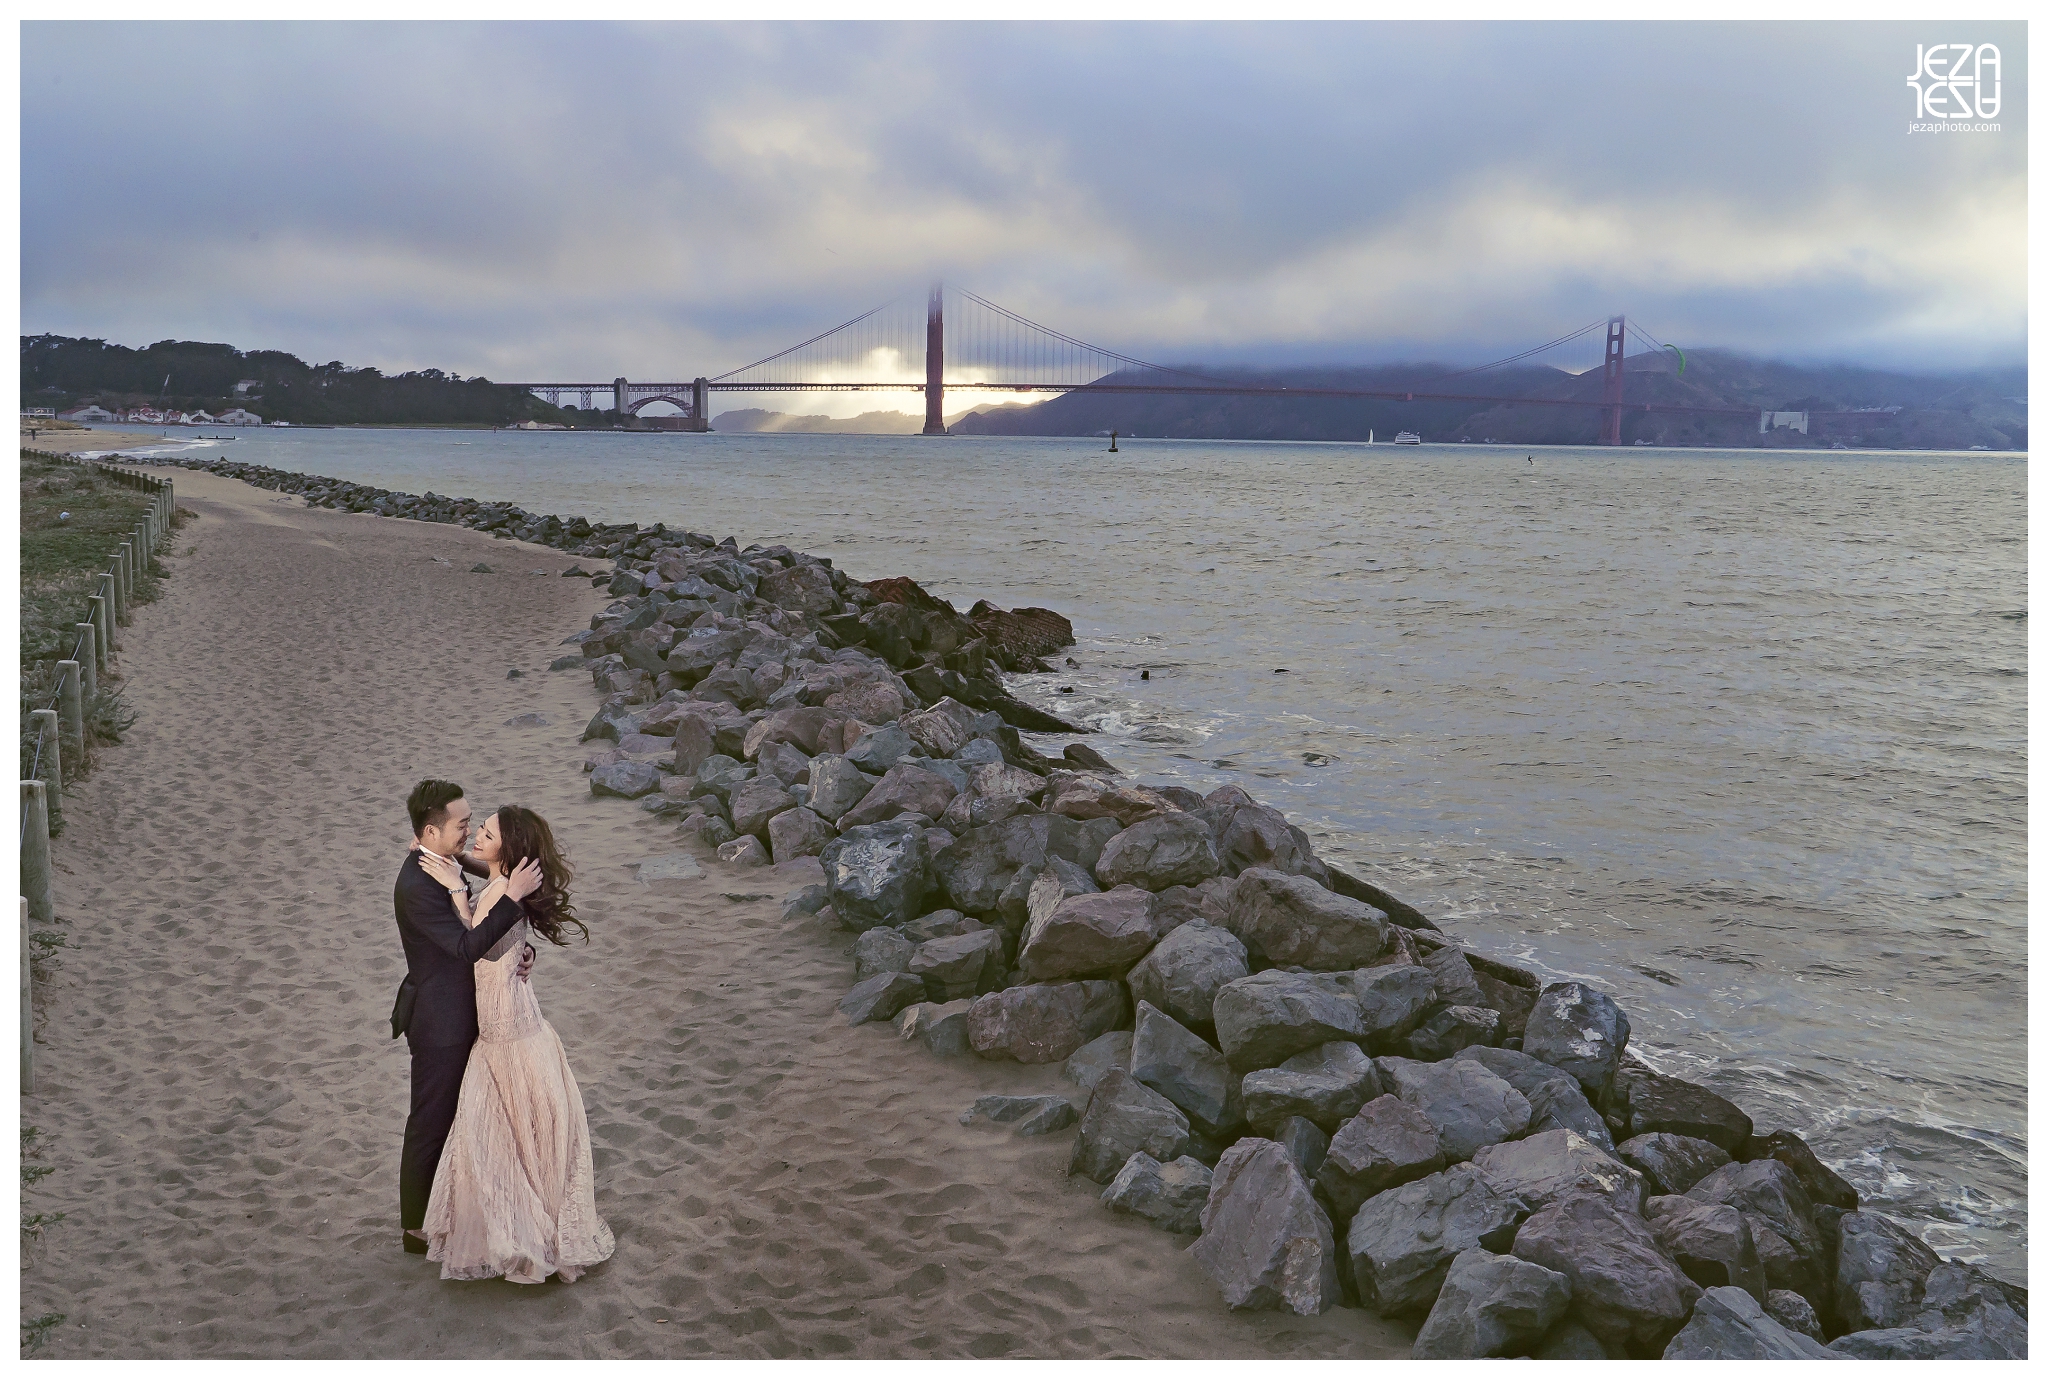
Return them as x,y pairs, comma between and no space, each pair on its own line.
62,372
1933,412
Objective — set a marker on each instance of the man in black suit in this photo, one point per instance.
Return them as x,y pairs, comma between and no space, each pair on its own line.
436,1010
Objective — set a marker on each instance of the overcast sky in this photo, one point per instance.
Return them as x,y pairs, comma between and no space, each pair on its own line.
580,201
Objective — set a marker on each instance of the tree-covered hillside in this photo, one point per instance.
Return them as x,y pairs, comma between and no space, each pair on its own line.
61,372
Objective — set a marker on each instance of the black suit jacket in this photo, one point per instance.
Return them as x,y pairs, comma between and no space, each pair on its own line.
440,952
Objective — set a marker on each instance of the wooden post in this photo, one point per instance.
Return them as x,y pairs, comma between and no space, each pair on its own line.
28,1013
71,695
35,854
116,604
89,665
52,772
124,566
102,635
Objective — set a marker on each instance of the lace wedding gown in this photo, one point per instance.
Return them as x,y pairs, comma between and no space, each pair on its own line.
512,1195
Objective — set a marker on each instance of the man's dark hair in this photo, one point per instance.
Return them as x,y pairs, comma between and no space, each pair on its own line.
429,802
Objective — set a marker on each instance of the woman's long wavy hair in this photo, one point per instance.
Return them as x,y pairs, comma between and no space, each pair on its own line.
524,834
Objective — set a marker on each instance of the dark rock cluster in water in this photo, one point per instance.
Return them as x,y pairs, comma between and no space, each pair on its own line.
1342,1104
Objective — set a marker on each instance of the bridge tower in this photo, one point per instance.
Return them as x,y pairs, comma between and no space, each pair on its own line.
1610,381
935,363
619,388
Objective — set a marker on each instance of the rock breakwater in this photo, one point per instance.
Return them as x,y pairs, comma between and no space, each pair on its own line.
1346,1106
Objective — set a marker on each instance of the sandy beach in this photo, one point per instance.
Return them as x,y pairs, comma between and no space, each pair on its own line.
72,442
222,1103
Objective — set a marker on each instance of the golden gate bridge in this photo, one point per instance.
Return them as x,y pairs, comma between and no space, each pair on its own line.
989,348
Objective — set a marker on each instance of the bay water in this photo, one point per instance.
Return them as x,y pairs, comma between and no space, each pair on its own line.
1738,736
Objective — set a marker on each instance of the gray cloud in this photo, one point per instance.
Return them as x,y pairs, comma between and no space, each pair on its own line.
584,200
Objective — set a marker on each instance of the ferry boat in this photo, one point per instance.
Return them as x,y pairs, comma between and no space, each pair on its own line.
1407,438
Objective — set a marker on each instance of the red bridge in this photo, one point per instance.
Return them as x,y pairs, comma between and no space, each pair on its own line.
996,350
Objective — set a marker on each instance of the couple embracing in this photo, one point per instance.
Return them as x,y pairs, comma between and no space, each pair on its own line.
495,1175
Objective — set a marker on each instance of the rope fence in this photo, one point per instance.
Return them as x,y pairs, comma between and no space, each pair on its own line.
60,722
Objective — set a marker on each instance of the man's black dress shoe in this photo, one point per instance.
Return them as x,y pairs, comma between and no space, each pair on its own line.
414,1245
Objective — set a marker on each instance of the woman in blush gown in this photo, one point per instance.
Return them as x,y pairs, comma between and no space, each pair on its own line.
512,1195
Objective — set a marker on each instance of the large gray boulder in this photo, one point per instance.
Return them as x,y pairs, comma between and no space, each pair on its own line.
1388,1143
1711,1242
959,966
1625,1289
943,729
837,785
1178,1064
1170,1196
1165,850
1671,1164
1123,1117
1267,1017
1793,1310
1452,1029
1392,1002
1580,1030
1402,1241
881,950
1455,982
878,874
880,997
1541,1169
1881,1272
1470,1106
1965,1315
1304,1140
1087,1064
1728,1325
804,588
1258,836
1097,935
1042,1023
1264,1239
798,834
1658,1102
881,748
1026,1116
1822,1184
1556,1102
1185,970
626,780
1491,1305
940,1027
978,865
907,788
757,802
1326,1085
785,762
1296,923
1034,894
696,739
696,652
1781,1220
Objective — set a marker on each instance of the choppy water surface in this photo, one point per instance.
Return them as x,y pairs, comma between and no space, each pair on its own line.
1740,737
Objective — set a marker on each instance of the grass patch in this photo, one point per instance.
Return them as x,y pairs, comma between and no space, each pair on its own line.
36,1331
72,520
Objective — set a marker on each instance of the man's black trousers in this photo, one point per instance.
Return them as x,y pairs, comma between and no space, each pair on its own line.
436,1084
